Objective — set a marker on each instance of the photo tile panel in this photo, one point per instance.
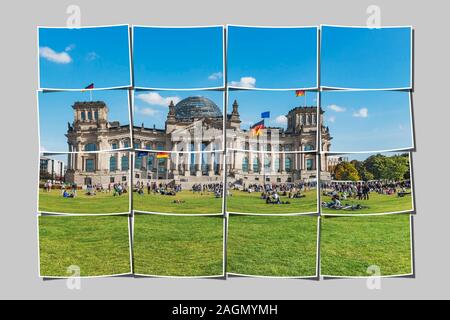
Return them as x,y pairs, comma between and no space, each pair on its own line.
178,57
364,246
272,57
85,183
366,121
178,183
366,58
279,121
178,121
84,246
84,58
374,183
173,246
86,122
273,246
272,183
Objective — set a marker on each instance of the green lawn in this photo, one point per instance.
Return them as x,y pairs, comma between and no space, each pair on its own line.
272,246
377,203
100,203
244,202
350,245
178,246
98,245
192,203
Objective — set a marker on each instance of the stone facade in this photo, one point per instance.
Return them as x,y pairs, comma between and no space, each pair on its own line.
193,136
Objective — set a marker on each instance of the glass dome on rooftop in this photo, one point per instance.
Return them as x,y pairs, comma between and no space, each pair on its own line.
197,107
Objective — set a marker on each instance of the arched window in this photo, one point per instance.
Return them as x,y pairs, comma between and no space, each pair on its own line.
90,165
256,165
125,163
112,163
148,146
309,164
277,164
126,144
83,116
114,146
96,115
245,164
138,162
288,164
150,162
90,115
266,164
309,147
90,147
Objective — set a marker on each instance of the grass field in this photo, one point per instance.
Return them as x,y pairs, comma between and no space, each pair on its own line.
244,202
350,245
98,245
272,246
377,203
178,246
100,203
193,203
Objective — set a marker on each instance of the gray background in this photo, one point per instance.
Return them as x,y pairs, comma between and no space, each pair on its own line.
19,141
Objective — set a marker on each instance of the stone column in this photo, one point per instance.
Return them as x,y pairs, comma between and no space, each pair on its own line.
282,163
250,162
211,159
175,155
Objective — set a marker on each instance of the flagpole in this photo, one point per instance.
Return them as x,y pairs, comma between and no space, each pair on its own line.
305,98
90,94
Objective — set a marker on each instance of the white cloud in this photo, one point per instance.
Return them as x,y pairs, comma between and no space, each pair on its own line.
336,108
281,120
149,112
155,98
332,119
215,76
244,82
91,56
361,113
70,47
53,56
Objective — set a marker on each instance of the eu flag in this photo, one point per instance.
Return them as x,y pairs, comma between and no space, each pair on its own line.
265,115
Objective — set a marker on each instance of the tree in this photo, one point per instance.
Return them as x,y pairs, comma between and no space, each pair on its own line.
346,171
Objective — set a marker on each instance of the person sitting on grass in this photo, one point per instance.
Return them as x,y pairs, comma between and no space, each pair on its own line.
67,194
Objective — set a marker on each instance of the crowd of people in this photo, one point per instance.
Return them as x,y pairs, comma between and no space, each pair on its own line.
70,190
171,189
341,191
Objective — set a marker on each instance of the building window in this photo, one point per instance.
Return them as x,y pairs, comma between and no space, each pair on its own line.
83,116
245,164
309,147
138,163
124,178
126,144
137,145
114,146
309,164
148,146
125,165
90,116
288,164
96,115
150,162
112,163
266,164
160,147
90,165
111,179
90,147
277,164
255,164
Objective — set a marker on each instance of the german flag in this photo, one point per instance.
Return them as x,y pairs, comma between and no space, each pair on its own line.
257,128
300,93
162,155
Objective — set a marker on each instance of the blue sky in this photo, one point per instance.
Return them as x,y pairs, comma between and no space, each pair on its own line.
366,58
368,120
55,111
277,58
74,58
151,107
179,58
279,103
